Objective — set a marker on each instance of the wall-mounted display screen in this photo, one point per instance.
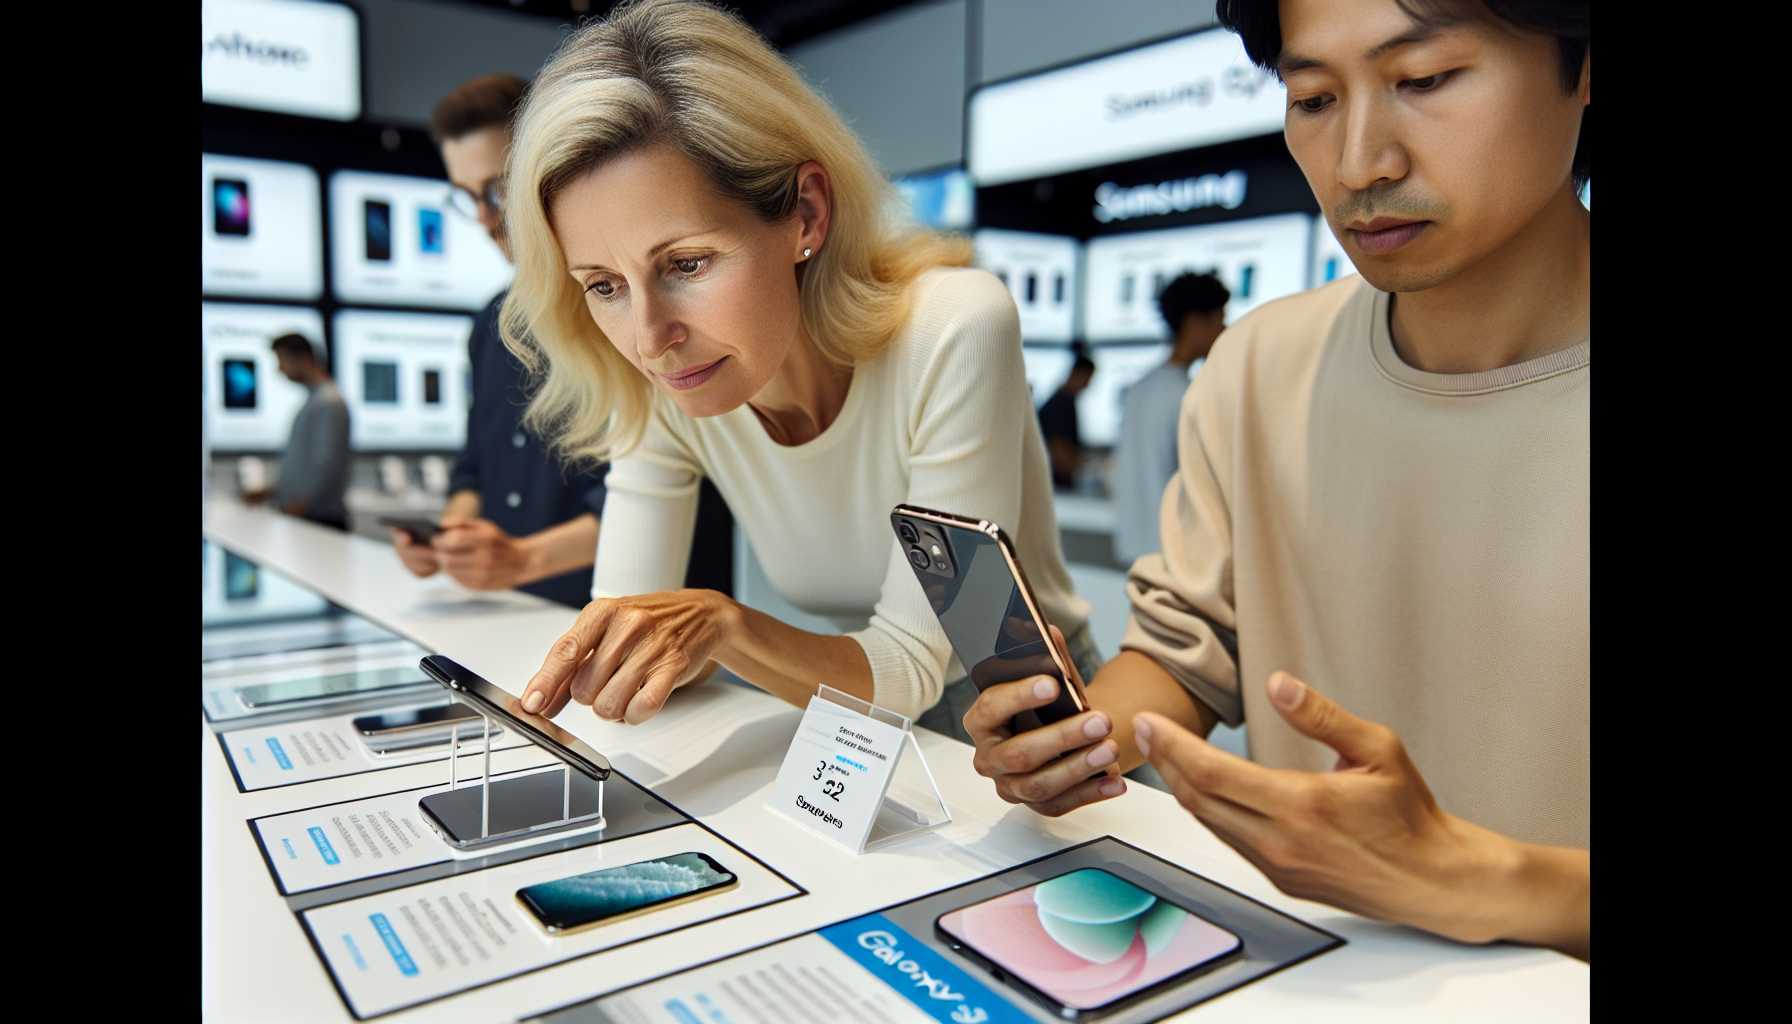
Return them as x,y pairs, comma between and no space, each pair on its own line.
394,241
1040,272
249,406
1258,259
390,368
261,229
941,199
1197,90
1330,261
1046,367
289,56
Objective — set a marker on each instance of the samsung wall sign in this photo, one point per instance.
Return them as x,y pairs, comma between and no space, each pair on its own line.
1117,202
291,56
1197,90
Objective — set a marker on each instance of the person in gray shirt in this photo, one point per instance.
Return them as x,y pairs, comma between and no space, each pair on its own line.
314,471
1194,305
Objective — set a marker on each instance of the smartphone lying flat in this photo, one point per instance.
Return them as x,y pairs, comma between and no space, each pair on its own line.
421,530
520,807
973,581
418,727
584,901
492,701
334,685
1087,942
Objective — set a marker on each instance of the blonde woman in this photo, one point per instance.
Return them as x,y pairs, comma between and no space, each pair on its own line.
706,274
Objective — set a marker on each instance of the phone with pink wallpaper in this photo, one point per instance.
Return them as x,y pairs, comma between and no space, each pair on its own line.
1086,942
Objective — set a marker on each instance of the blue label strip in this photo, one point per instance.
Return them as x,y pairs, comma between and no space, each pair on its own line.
917,973
279,754
323,845
406,966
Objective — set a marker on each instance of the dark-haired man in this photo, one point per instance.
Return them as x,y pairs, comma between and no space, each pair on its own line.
1375,549
517,517
1058,424
1194,308
314,469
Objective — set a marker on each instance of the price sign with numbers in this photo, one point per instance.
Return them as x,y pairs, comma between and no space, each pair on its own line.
837,770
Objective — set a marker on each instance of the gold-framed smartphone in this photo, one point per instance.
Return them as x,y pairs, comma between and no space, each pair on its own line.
973,579
567,906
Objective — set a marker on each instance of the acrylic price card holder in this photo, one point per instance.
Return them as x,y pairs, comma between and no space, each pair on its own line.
912,801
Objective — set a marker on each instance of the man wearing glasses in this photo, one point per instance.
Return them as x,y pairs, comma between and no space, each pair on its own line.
516,516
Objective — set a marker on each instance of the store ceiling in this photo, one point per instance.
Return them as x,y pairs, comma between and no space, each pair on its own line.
783,22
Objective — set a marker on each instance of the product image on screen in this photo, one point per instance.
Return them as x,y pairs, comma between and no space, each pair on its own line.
379,383
239,384
429,230
598,896
1087,940
378,218
432,387
242,578
230,206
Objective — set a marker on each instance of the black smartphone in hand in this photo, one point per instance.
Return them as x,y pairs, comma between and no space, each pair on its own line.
972,577
421,530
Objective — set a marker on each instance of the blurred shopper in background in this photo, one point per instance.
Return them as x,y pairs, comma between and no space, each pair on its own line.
1375,548
1194,307
518,517
313,475
706,273
1058,422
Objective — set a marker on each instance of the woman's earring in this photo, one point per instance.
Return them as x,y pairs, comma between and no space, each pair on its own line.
807,251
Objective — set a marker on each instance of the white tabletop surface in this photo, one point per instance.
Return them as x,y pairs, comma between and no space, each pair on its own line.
719,747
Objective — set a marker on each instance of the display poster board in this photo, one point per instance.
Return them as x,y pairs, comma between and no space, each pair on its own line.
261,229
394,241
404,378
1040,272
249,406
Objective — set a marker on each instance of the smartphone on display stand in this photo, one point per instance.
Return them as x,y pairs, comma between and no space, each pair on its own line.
432,387
574,904
526,807
1246,277
973,580
230,207
339,684
418,727
376,216
422,531
494,702
1086,942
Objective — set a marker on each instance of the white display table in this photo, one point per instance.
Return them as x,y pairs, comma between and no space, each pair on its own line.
713,753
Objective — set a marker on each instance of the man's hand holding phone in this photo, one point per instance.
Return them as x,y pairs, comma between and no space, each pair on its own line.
481,556
1048,769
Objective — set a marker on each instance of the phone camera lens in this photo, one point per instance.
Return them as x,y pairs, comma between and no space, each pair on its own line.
918,558
906,531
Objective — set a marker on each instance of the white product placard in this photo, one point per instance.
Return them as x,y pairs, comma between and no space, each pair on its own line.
1040,272
836,772
291,56
261,222
421,942
325,748
249,406
403,376
1330,261
1258,259
394,241
1197,90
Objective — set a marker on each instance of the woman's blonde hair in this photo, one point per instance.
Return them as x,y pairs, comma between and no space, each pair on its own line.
689,75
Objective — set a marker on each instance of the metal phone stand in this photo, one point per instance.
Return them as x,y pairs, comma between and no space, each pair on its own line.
485,779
